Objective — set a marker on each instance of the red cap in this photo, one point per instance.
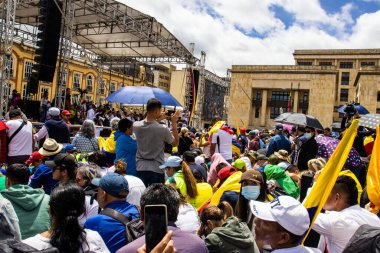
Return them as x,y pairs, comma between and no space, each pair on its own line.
65,112
33,157
226,172
242,130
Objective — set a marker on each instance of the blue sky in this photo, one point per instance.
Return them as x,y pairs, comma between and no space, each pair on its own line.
265,32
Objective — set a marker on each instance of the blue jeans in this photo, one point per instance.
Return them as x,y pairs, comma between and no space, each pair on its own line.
150,177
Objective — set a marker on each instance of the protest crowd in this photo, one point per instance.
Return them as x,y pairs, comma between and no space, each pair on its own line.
226,189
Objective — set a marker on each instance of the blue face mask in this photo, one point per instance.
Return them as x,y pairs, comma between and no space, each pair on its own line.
251,192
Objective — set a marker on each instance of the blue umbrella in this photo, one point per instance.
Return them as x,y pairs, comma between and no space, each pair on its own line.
139,95
361,109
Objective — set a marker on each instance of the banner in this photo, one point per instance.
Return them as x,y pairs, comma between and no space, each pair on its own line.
373,174
326,181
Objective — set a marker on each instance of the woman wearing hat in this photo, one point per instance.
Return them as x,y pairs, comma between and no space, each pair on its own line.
284,158
43,176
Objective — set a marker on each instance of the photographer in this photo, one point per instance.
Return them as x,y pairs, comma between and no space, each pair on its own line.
351,114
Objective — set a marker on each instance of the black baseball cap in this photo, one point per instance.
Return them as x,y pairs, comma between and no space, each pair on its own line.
64,161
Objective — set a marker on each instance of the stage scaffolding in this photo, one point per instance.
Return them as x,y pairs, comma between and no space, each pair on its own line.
106,34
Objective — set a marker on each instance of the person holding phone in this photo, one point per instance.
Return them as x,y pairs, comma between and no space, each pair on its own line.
185,242
151,137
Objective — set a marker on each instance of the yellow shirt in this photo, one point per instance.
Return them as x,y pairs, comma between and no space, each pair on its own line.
110,144
204,194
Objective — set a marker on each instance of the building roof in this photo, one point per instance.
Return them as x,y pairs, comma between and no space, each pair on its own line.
115,32
374,51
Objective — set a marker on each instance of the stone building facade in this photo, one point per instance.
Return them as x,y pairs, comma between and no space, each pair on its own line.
318,83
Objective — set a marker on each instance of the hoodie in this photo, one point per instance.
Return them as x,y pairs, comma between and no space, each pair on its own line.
232,236
126,149
287,184
31,207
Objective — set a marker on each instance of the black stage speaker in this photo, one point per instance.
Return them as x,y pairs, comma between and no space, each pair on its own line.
50,19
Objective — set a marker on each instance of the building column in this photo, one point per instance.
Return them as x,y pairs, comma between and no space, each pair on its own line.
263,116
296,98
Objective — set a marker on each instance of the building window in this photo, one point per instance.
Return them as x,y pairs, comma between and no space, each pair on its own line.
75,99
343,95
89,83
280,95
25,95
76,80
64,79
112,87
325,63
258,95
345,79
377,110
257,112
276,111
346,65
305,63
11,67
28,69
306,96
367,63
43,90
378,96
101,88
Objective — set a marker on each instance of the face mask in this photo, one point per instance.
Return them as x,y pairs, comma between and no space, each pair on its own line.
307,135
251,192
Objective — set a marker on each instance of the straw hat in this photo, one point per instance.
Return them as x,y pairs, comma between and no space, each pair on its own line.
50,147
282,154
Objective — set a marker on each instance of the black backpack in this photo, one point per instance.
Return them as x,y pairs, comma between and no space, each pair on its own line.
13,246
134,228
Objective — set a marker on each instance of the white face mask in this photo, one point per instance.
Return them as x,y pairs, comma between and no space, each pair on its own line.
307,135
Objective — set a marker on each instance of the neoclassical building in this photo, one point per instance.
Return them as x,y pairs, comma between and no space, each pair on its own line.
318,83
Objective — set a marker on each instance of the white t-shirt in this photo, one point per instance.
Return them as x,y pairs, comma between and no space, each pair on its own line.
339,227
298,249
94,242
91,210
188,219
22,142
248,163
225,143
136,189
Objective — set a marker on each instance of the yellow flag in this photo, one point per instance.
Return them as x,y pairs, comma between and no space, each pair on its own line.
237,127
326,181
216,127
373,174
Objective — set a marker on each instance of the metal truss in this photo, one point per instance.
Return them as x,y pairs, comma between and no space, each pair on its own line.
200,92
8,8
64,52
188,89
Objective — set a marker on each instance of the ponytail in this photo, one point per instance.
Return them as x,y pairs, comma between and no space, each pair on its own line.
191,183
226,209
67,203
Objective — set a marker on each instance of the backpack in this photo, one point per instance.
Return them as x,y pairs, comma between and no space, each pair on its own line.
134,228
14,246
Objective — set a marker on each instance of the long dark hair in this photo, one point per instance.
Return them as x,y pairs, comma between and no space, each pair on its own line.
242,203
67,203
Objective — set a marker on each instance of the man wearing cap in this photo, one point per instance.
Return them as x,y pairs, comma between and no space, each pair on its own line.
20,138
34,160
189,159
64,168
260,164
240,165
279,141
112,194
280,225
254,141
54,128
66,116
43,174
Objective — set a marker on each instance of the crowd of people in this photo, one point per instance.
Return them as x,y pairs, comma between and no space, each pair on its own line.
87,192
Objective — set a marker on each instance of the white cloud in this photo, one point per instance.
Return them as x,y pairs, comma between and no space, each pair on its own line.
218,27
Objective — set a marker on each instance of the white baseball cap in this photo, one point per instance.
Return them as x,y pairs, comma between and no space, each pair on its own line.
286,211
54,111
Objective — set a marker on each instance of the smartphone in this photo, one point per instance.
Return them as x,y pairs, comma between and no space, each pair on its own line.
155,222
